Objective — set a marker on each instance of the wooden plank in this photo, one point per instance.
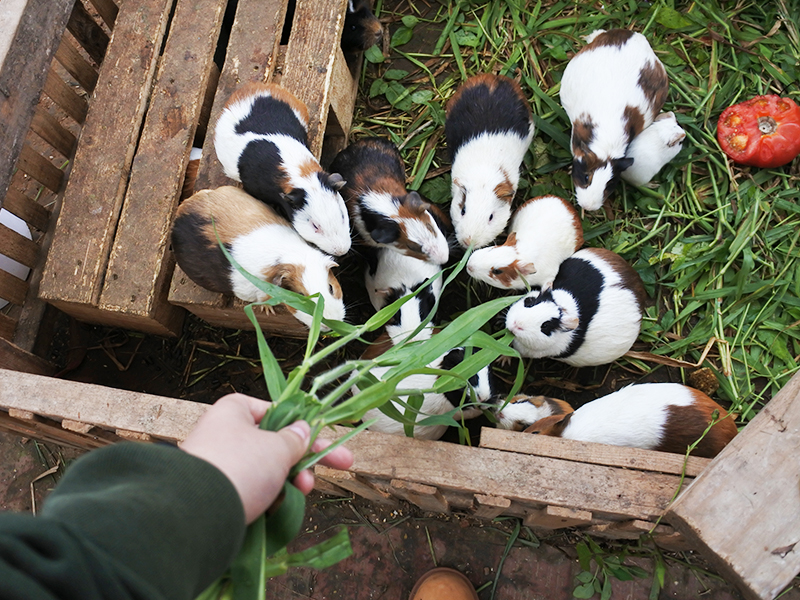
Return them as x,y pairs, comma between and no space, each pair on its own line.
47,127
77,260
310,56
14,358
62,94
28,210
49,431
489,507
424,496
557,517
41,169
589,452
353,483
76,65
325,487
741,513
107,10
76,426
88,33
7,328
17,247
627,530
608,492
12,288
30,31
251,56
140,264
106,408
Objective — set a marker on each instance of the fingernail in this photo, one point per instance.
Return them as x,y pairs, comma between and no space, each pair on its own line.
302,429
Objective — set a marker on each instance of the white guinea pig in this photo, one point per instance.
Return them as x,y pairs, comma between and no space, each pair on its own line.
522,411
653,148
261,139
667,417
489,128
591,316
611,90
262,242
394,275
544,232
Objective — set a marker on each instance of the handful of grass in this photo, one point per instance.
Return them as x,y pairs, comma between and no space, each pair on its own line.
323,401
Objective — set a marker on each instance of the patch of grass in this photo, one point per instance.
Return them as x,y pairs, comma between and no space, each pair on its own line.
717,245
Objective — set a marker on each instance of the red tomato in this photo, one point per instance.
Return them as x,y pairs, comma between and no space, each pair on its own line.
762,132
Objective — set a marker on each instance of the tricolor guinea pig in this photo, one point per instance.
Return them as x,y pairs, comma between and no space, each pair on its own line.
433,403
488,127
261,241
261,139
591,315
544,232
361,29
653,148
667,417
392,276
523,411
383,211
611,90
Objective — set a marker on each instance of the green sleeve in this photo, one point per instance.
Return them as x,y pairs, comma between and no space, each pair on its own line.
127,521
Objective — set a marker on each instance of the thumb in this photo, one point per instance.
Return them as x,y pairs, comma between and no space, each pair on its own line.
296,437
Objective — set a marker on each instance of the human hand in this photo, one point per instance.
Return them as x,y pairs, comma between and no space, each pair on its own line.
256,461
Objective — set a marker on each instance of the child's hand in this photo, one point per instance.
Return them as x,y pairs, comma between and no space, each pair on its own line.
257,462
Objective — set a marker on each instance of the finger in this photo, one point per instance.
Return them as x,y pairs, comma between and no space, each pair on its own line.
255,407
341,458
296,438
304,481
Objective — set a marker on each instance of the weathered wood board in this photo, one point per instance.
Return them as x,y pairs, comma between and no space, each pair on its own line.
743,511
140,263
76,264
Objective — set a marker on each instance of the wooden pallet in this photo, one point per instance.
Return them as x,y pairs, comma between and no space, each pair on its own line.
110,261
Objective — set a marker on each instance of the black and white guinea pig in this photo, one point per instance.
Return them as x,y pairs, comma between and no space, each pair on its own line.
591,315
383,211
489,128
667,417
544,232
261,241
433,403
522,411
261,139
653,148
361,28
611,90
392,276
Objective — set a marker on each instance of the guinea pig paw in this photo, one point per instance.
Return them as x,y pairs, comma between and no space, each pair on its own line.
503,361
267,309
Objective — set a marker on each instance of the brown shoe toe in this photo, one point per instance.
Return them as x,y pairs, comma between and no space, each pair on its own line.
443,584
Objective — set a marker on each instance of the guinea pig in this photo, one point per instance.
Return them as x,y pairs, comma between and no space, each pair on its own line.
384,213
591,315
190,177
261,241
667,417
523,411
611,90
361,28
395,275
488,127
653,148
544,232
433,403
261,139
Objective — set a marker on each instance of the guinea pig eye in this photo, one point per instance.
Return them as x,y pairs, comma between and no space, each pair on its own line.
330,289
586,179
316,227
463,210
549,326
491,216
529,302
496,271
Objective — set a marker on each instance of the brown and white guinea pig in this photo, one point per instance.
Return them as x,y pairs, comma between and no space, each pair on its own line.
591,315
361,28
261,139
489,128
190,178
392,275
384,213
544,232
668,417
434,403
611,90
522,411
653,148
261,241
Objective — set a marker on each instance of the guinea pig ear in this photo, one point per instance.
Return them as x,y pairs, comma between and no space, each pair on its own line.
620,164
569,323
294,199
511,240
414,202
385,232
526,268
336,181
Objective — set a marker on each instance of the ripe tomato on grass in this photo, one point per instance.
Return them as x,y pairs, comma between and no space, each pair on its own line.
761,132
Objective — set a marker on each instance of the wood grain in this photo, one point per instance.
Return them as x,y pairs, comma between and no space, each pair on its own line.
16,359
26,209
88,33
12,288
47,127
76,65
41,169
741,513
140,264
423,496
62,94
17,247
